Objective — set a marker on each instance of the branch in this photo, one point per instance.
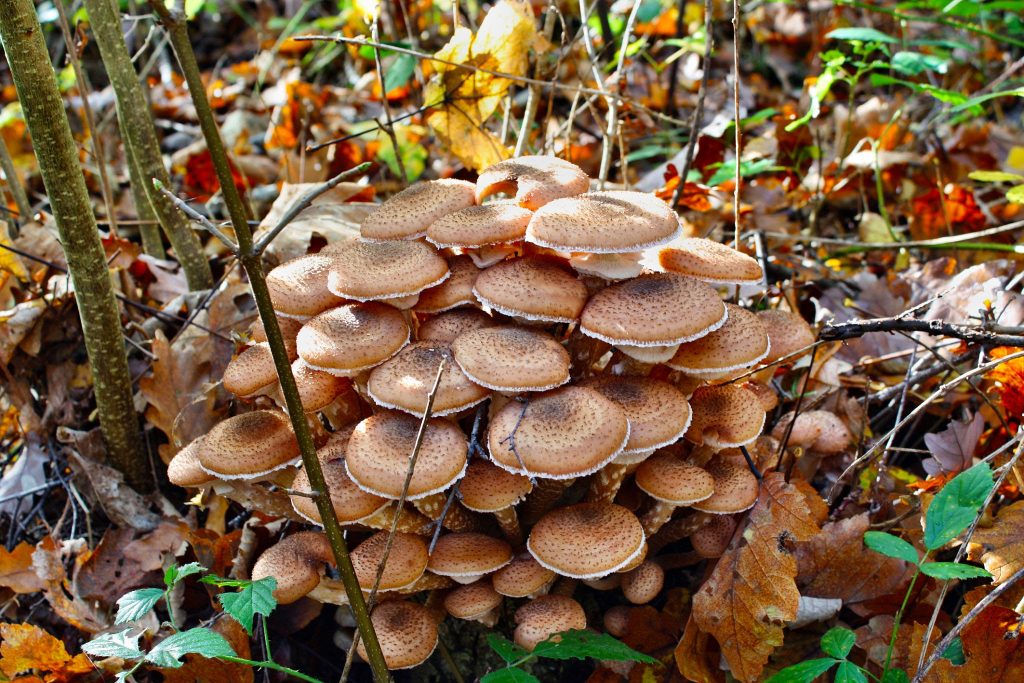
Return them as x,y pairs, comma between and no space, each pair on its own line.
972,334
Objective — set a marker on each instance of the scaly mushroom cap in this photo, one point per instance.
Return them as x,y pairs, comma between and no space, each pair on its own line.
712,539
298,288
710,261
536,180
521,577
647,311
473,600
296,562
370,271
184,468
249,446
488,488
469,554
587,540
616,620
250,371
766,395
289,331
562,434
449,325
479,226
666,478
317,389
409,213
405,381
546,616
346,340
741,342
350,502
725,416
406,631
456,291
611,222
406,561
817,430
512,359
658,413
641,585
736,489
532,288
378,455
788,334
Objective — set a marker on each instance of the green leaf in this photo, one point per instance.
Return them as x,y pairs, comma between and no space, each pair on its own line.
200,641
135,604
1016,195
955,506
995,177
174,573
978,99
916,63
509,675
727,171
890,546
804,672
583,644
860,33
848,672
505,648
255,598
399,73
120,644
941,94
895,676
955,652
838,642
953,570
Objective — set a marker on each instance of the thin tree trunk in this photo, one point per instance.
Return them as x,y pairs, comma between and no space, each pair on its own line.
140,137
33,75
149,225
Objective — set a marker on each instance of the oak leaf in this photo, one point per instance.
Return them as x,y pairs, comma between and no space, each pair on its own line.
29,648
16,570
1001,547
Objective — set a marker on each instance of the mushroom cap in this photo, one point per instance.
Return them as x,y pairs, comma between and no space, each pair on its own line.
350,502
406,631
740,343
546,616
712,539
447,326
646,311
532,288
587,540
736,488
562,434
298,288
249,446
184,468
250,371
537,180
821,431
787,332
407,560
512,359
409,213
725,416
370,271
479,226
289,331
765,394
469,553
296,562
457,290
611,222
378,455
472,600
404,382
521,577
348,339
666,478
317,389
641,585
488,488
658,413
616,620
710,261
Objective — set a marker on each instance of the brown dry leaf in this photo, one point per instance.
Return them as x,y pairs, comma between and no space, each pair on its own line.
875,637
1001,547
330,215
752,591
122,504
105,574
16,570
696,655
29,648
198,668
992,655
149,551
47,563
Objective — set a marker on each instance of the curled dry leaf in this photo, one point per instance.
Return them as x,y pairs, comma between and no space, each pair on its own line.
49,566
1001,547
953,448
27,648
16,570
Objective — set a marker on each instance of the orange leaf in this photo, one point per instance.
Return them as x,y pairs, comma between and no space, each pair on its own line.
29,648
1001,547
992,653
16,570
936,212
1009,381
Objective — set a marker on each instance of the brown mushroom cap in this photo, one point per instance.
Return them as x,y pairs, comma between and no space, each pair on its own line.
666,478
788,334
641,585
409,213
736,489
480,226
406,561
587,540
250,371
616,620
348,339
249,446
646,311
615,221
741,343
317,389
350,502
546,616
765,394
532,288
473,600
536,180
712,539
370,271
469,554
488,488
512,359
725,416
450,324
710,261
456,291
406,631
817,430
521,577
296,562
562,434
298,288
184,468
658,413
405,381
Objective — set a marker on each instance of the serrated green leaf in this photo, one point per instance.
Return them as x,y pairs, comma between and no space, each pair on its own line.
505,648
135,604
955,652
399,72
1016,195
120,644
838,642
200,641
955,506
848,672
174,573
255,598
509,675
861,33
953,570
804,672
583,644
941,94
890,546
916,63
995,177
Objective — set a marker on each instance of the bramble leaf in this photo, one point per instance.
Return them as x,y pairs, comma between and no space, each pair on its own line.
134,605
838,642
953,570
582,644
255,598
121,644
201,641
804,672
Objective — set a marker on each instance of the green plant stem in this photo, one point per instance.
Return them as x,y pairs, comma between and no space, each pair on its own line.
270,664
250,259
899,614
57,153
967,246
14,184
938,19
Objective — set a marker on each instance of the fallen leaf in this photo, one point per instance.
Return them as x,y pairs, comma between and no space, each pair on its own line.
696,655
1009,381
992,652
330,216
29,648
952,209
25,473
16,570
953,448
1001,547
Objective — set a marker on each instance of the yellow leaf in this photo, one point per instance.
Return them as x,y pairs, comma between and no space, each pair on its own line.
11,262
16,570
1015,158
29,648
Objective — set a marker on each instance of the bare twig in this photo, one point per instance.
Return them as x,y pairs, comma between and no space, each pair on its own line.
533,92
737,128
698,111
389,124
511,440
203,221
14,184
972,334
612,123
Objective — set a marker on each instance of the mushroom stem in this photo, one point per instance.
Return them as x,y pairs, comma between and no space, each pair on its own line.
656,516
677,529
508,521
606,483
456,519
409,521
564,586
544,496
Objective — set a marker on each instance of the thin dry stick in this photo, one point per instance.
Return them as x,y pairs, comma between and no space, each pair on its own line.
389,124
698,111
533,92
612,124
736,118
923,244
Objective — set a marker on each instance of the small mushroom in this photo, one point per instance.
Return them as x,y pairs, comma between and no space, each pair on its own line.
406,561
296,562
474,227
456,291
611,222
725,416
474,602
616,620
547,616
523,577
739,344
512,359
672,483
736,489
409,213
712,539
249,446
381,271
643,584
298,288
349,339
535,180
446,327
490,489
407,633
587,540
788,333
405,381
468,556
532,289
710,261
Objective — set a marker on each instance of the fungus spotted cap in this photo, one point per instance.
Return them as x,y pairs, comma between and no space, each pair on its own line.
611,222
289,330
469,554
409,213
818,430
449,325
249,446
512,359
648,311
725,416
658,413
546,616
184,468
587,540
736,488
488,488
370,271
406,561
765,394
405,381
480,226
787,332
296,562
710,261
378,454
712,539
406,631
521,577
532,288
641,585
562,434
666,478
473,600
298,288
348,339
250,371
350,502
456,291
536,180
740,343
616,620
317,389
